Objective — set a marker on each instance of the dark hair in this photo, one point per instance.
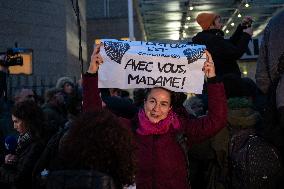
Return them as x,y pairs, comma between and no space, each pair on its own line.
179,99
33,117
124,93
115,90
172,97
98,141
139,96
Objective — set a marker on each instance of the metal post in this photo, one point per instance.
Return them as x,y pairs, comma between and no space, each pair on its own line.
77,12
130,20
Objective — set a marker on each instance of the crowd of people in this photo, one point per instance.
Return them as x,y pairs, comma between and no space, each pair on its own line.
231,136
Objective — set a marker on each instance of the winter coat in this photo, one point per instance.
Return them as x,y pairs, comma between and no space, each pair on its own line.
55,116
49,157
63,80
271,49
225,52
254,162
160,159
20,174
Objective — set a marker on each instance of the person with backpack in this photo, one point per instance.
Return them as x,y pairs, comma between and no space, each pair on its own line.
253,161
161,163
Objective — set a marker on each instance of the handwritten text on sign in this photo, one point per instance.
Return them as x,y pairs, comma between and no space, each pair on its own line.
138,64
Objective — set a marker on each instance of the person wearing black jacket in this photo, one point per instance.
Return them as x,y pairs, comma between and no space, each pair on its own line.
225,52
16,171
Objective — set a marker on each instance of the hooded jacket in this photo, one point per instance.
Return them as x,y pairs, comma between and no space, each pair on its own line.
62,80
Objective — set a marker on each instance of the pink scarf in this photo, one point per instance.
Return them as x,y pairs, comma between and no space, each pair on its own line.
162,127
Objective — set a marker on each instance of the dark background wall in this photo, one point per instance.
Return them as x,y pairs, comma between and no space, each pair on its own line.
48,27
109,19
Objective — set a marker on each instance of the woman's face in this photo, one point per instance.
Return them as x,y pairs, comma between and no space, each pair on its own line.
68,88
19,125
218,24
157,105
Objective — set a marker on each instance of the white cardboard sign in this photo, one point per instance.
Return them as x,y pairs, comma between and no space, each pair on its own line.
140,64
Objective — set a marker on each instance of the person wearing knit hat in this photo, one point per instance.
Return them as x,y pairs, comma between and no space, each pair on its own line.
225,52
66,84
205,20
68,89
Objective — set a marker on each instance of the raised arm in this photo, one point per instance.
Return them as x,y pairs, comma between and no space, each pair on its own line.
91,97
244,27
207,126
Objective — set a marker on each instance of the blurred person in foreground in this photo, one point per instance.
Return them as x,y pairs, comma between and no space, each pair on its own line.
103,148
270,79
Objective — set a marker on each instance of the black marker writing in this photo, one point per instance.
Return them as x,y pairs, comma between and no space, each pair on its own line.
162,81
139,65
171,68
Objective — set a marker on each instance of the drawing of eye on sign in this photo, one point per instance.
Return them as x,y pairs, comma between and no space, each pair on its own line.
140,64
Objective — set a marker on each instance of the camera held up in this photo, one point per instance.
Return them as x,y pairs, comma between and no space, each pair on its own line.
12,57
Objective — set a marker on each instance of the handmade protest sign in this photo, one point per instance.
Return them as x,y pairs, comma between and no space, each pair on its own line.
139,64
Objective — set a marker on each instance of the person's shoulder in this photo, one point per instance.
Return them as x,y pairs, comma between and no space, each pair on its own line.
206,36
276,21
279,16
202,34
38,145
46,108
33,149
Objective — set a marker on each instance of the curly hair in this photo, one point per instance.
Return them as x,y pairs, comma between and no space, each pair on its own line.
98,141
33,117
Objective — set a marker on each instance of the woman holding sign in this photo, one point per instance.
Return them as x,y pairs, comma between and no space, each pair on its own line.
161,163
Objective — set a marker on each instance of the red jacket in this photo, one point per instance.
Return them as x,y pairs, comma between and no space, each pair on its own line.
161,162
